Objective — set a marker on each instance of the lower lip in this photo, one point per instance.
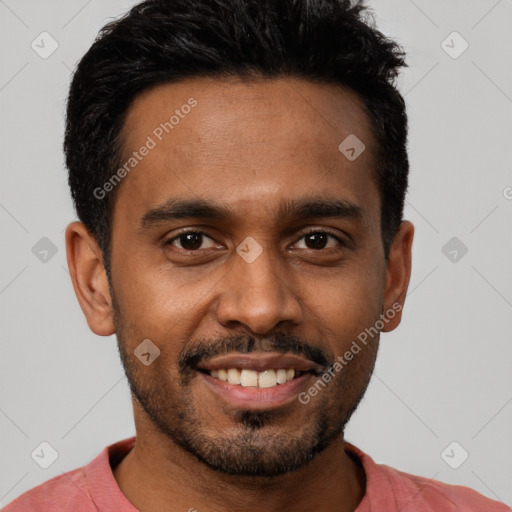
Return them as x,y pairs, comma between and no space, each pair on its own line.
255,398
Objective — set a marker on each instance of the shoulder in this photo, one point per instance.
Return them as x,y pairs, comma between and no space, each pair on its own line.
87,489
390,489
444,497
63,492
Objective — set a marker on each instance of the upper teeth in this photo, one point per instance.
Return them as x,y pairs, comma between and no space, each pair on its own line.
264,379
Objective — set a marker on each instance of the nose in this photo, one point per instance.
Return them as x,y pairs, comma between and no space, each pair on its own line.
258,295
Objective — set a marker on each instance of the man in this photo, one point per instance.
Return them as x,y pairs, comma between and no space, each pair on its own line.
239,170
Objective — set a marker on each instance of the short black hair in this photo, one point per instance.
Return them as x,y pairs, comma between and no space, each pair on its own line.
164,41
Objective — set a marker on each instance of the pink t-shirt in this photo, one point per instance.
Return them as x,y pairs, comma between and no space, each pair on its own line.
93,488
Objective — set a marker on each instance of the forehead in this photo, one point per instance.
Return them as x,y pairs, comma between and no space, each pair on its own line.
247,144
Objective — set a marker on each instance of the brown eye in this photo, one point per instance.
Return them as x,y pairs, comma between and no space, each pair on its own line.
189,241
318,240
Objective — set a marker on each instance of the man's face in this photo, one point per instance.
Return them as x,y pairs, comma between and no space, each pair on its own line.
262,280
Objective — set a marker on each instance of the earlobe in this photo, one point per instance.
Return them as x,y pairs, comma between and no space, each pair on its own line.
398,274
89,279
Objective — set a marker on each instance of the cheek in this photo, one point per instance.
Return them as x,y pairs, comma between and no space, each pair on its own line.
153,296
154,307
347,302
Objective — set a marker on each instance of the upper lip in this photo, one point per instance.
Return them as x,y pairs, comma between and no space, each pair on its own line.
259,362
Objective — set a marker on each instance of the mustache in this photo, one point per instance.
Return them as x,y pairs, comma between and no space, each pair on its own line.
199,350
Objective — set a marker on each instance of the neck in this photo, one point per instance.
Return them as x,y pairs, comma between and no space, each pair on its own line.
159,475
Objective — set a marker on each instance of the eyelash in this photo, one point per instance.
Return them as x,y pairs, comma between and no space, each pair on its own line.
304,234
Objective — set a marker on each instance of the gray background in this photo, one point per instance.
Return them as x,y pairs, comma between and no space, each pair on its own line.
444,375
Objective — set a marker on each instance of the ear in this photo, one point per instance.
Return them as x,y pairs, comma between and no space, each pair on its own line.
85,263
398,274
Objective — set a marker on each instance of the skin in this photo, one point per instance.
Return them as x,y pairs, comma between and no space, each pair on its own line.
248,146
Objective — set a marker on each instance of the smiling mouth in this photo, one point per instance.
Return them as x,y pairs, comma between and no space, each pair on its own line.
270,376
258,379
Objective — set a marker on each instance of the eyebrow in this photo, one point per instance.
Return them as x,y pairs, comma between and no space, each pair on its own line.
292,209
